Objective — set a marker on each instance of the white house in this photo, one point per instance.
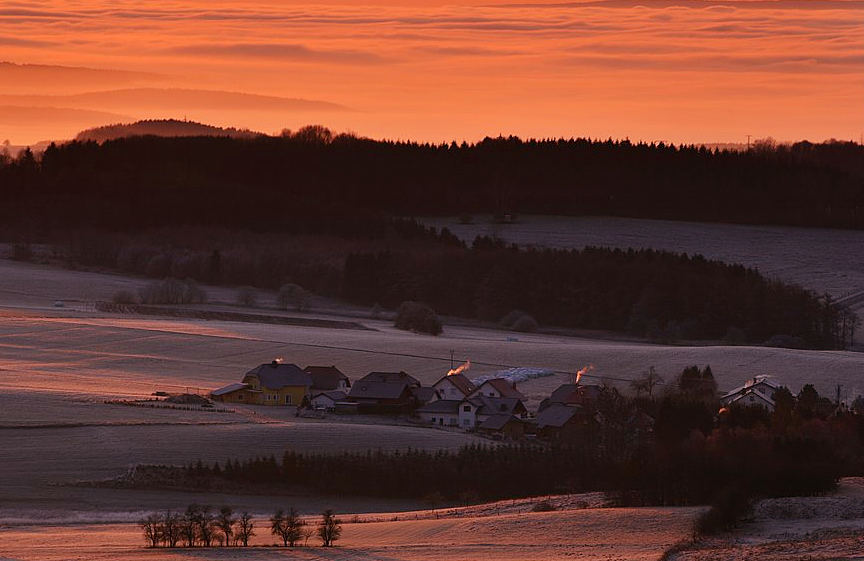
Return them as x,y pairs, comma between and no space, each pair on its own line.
443,412
454,386
327,400
497,387
756,391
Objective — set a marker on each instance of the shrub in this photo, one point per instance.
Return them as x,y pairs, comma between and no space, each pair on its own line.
510,318
172,291
247,296
525,324
293,295
123,297
543,506
416,316
22,251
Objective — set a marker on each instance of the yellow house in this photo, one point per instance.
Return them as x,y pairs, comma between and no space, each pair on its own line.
269,384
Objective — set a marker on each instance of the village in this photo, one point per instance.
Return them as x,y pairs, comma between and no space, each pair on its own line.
488,406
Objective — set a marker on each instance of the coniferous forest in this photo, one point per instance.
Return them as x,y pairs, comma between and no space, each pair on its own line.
232,210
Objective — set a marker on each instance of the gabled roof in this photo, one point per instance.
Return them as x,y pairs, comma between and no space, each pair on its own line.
276,375
230,388
752,383
557,415
460,382
441,406
751,391
497,405
498,422
326,377
574,393
503,387
390,377
379,390
423,394
335,395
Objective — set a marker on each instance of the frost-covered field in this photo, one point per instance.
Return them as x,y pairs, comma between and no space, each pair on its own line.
58,366
587,535
829,527
818,259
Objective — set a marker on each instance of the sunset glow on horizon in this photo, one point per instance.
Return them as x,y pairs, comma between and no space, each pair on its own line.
685,71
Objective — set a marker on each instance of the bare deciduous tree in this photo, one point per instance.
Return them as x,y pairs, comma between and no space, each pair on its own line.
245,528
329,529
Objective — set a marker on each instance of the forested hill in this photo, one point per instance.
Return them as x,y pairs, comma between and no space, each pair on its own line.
297,181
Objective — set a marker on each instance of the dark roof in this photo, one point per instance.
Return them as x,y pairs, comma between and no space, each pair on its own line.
423,394
461,383
441,406
498,422
497,405
230,388
275,375
326,377
574,393
390,377
556,415
503,387
379,390
334,395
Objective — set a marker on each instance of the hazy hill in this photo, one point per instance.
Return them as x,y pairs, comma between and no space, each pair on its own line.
161,127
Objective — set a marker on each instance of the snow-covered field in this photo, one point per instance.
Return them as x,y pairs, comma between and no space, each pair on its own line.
819,259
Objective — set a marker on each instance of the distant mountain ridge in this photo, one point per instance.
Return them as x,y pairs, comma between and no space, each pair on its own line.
161,127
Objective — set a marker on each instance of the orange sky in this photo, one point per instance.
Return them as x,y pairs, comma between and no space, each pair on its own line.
439,70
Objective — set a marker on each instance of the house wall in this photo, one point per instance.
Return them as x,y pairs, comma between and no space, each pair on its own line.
291,395
486,389
447,390
320,401
467,415
238,396
440,419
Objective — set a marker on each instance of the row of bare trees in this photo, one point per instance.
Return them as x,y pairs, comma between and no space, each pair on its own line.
201,526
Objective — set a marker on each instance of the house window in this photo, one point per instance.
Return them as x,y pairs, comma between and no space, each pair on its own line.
288,399
453,422
466,422
433,420
240,396
751,398
466,408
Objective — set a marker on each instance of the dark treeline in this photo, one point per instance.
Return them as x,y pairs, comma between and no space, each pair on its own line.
650,293
692,457
646,293
312,181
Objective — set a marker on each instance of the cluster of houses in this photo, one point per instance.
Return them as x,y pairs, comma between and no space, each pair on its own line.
494,406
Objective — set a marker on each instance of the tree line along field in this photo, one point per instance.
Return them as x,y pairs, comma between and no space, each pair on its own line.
312,177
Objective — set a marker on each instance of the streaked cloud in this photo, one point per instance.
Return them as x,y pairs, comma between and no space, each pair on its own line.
421,68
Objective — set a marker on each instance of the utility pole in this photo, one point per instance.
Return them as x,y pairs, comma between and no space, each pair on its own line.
451,359
837,403
748,142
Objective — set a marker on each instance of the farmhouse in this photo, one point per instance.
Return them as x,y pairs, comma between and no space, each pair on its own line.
382,397
559,422
509,426
443,412
453,386
573,394
469,413
497,387
756,391
273,383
